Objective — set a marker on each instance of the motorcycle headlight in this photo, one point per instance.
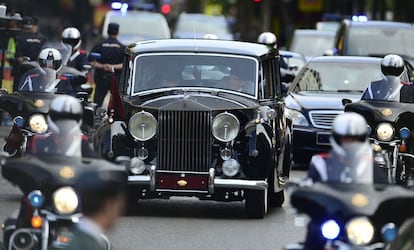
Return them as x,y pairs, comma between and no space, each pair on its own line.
38,123
385,131
296,117
225,127
142,126
65,200
359,231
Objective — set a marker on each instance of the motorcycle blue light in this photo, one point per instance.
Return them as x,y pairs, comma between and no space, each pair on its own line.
330,229
389,232
19,121
405,133
36,199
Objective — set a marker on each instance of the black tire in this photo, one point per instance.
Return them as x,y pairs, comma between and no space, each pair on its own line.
277,199
256,203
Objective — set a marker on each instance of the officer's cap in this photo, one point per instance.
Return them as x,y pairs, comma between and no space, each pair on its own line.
113,28
28,22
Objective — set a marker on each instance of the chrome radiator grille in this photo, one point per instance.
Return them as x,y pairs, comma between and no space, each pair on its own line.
184,141
323,118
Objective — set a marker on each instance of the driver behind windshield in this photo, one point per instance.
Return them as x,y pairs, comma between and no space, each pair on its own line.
395,86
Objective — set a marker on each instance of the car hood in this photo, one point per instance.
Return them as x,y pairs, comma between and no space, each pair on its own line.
198,102
315,100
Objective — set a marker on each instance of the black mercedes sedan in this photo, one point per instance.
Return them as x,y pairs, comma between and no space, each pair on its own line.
315,98
203,118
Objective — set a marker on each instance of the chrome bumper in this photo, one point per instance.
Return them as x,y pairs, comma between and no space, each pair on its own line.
149,180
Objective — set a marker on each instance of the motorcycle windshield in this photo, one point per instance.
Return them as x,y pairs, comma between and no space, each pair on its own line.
387,89
38,80
66,141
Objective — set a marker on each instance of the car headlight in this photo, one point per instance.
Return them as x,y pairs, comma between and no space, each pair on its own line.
38,123
296,117
143,126
359,231
65,200
385,131
225,127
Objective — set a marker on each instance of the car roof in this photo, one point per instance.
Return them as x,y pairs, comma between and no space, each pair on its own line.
201,46
377,23
358,59
309,32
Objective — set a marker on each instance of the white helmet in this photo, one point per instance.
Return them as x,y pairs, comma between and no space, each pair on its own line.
72,36
392,65
267,38
50,58
65,114
348,124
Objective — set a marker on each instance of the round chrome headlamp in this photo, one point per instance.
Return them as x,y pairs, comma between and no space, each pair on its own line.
230,167
38,123
136,166
385,131
65,200
142,126
225,127
359,231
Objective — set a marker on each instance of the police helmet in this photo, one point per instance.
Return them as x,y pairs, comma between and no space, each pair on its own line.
50,58
350,125
267,38
72,36
392,65
65,108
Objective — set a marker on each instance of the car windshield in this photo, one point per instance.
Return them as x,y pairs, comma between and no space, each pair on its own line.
144,24
338,76
229,73
198,23
390,40
313,44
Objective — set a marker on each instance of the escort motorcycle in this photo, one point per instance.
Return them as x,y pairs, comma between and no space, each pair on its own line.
50,203
391,122
351,216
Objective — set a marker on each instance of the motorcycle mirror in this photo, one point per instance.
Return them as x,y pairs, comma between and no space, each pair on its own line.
87,67
3,91
346,101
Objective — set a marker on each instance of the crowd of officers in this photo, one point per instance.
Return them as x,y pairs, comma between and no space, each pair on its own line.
102,203
26,45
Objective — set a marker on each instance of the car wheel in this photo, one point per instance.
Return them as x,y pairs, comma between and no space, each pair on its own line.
256,203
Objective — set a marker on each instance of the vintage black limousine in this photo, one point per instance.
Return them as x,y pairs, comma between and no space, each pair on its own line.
204,118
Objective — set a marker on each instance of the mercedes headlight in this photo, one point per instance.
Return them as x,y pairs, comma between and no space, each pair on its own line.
359,231
142,126
225,127
65,200
385,131
38,123
296,117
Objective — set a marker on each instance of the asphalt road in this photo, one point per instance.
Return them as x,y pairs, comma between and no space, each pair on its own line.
188,223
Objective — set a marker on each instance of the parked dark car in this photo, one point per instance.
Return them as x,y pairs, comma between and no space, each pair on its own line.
315,98
196,134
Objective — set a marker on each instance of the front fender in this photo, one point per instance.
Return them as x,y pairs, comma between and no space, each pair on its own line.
102,140
260,155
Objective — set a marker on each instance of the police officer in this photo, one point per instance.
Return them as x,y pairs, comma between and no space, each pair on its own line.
111,55
78,58
28,44
102,198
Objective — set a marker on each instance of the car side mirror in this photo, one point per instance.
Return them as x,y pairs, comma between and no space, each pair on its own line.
346,101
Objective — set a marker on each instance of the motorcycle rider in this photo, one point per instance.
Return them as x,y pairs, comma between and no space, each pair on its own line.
395,86
64,121
78,58
349,161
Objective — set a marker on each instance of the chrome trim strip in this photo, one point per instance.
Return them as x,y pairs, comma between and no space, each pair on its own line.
243,184
211,175
151,177
330,115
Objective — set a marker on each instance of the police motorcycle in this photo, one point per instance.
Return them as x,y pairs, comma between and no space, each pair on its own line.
351,216
390,117
50,203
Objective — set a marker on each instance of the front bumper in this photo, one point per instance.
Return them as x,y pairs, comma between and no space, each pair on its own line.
211,182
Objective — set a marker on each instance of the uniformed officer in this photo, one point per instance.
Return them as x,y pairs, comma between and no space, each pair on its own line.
111,55
28,44
102,198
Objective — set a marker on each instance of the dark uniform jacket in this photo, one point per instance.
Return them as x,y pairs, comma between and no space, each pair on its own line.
111,51
87,236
